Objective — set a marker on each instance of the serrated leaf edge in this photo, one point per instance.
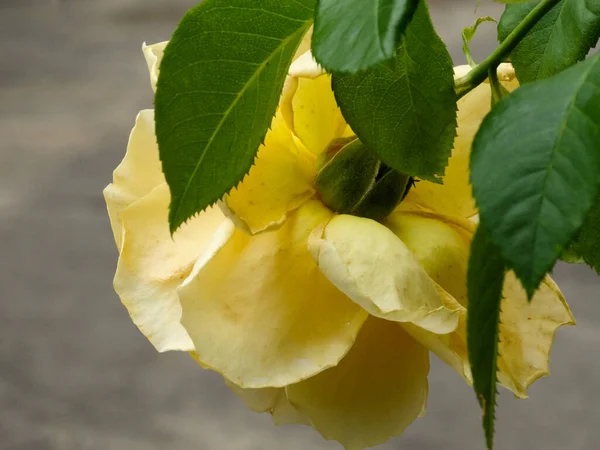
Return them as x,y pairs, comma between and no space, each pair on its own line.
175,224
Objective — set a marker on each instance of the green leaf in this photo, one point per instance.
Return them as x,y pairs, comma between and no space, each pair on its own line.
218,89
570,256
561,38
587,244
468,34
405,111
485,278
535,168
353,35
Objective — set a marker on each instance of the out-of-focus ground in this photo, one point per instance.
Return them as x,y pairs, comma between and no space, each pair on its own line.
74,372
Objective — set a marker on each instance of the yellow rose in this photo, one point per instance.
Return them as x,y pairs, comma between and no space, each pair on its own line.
318,318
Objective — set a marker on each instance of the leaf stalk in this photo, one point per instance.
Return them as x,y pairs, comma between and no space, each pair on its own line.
480,72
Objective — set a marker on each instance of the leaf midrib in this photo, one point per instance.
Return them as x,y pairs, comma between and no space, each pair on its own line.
555,151
234,103
542,59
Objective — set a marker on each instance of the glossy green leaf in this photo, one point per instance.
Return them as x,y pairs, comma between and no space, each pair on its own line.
561,38
468,34
535,168
218,89
405,111
352,35
485,279
587,244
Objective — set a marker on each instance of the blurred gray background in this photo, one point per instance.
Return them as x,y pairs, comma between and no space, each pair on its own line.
74,372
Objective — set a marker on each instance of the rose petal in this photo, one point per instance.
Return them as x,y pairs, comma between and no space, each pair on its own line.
305,66
153,54
279,182
304,45
454,197
271,400
367,262
527,332
441,244
139,172
374,393
309,106
450,348
262,314
152,265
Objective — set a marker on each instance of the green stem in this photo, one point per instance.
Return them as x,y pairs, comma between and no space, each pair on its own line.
480,72
497,90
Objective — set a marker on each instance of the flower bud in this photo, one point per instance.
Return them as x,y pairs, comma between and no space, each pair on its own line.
351,180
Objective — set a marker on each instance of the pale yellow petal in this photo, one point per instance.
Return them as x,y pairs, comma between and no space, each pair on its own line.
367,262
450,348
271,400
526,336
317,118
153,54
152,265
348,132
261,313
461,71
374,393
506,75
139,172
258,400
527,332
309,106
440,244
305,66
279,182
284,413
304,44
285,102
454,196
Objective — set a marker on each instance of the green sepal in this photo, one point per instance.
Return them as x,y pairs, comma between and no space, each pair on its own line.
382,199
351,180
346,177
